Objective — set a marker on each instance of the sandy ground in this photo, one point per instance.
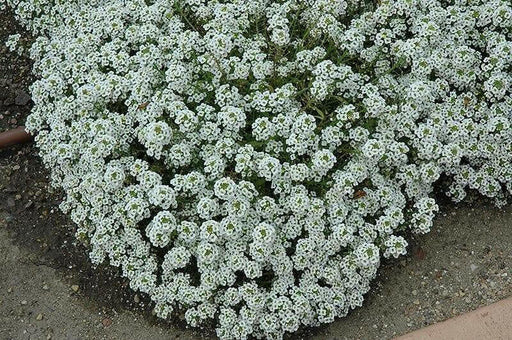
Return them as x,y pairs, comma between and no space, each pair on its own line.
48,289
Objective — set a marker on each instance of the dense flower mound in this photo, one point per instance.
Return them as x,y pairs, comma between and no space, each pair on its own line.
248,163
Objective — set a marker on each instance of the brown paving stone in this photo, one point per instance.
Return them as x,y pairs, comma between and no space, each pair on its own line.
493,322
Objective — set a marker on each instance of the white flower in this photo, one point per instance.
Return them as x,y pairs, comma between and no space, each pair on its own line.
161,228
177,257
395,246
225,188
264,233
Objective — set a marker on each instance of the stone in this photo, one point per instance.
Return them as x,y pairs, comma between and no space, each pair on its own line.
106,322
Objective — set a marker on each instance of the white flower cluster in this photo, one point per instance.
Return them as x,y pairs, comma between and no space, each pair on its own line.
12,43
250,162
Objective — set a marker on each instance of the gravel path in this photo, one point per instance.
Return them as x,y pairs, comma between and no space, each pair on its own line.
48,289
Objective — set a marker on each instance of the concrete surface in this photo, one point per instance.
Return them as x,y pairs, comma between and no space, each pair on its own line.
492,322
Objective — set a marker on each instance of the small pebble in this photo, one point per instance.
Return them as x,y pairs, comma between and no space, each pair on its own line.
24,302
106,322
75,288
39,317
136,298
415,292
45,287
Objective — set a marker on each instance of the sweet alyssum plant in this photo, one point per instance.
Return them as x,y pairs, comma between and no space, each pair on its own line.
250,162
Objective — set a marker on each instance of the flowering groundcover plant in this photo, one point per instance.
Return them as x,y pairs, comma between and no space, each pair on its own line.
250,162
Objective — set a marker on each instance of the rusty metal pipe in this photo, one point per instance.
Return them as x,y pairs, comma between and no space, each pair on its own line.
14,136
